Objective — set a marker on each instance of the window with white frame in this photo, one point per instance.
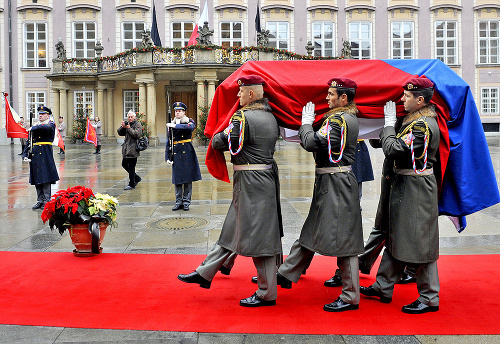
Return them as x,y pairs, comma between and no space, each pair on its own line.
84,103
33,101
231,34
402,40
323,36
35,45
131,35
181,32
84,37
446,41
130,101
489,100
279,35
489,39
360,35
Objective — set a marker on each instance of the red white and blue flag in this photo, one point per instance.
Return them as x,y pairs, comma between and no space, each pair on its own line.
201,21
468,182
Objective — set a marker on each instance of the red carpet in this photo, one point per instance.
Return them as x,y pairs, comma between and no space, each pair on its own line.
141,292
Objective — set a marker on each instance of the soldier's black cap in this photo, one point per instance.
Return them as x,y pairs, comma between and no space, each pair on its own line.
44,109
179,106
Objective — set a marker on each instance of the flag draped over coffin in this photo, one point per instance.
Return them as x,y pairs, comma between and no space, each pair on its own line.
467,178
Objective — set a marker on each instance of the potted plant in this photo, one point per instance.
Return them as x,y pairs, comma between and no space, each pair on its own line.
84,214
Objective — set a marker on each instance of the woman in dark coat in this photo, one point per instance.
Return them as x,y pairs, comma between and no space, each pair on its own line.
180,152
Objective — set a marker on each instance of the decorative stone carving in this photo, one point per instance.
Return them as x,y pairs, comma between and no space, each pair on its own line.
263,38
147,41
205,34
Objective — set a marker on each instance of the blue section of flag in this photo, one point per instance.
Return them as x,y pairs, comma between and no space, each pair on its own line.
469,183
155,35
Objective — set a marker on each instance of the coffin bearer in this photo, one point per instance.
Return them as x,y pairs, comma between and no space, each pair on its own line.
413,235
333,226
38,152
180,152
253,225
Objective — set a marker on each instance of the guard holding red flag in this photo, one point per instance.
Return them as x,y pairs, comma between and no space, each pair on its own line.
253,225
413,234
333,226
38,152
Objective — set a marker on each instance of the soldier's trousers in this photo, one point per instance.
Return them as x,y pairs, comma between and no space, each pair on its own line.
300,258
183,193
391,270
43,192
266,271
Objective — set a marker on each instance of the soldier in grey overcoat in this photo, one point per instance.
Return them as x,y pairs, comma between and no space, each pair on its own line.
253,225
413,235
333,226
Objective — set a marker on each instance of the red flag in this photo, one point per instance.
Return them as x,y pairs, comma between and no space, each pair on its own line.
90,134
13,128
199,25
58,140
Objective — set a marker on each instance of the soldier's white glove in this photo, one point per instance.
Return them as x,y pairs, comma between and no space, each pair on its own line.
25,159
171,125
308,114
170,162
390,114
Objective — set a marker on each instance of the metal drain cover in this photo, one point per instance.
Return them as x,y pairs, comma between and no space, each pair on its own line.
177,223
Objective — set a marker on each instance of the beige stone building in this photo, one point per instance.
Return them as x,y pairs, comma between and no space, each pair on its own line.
462,33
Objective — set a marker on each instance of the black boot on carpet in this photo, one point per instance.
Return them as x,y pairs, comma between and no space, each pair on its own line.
407,278
255,301
418,307
339,305
195,277
335,281
284,282
370,291
226,271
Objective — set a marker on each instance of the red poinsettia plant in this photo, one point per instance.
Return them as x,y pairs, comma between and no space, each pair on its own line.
77,205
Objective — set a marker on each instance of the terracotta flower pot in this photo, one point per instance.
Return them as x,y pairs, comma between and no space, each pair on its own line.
82,239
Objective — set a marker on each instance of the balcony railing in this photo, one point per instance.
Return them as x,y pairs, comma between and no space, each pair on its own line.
192,55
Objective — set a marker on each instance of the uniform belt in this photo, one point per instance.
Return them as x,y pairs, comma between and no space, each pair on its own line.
182,141
252,167
41,143
326,170
410,172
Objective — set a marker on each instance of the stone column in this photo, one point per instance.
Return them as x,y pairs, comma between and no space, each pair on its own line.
63,111
142,98
151,108
110,114
56,106
211,92
100,104
200,98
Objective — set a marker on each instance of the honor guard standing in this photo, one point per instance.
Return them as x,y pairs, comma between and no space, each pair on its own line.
253,225
38,152
413,235
333,226
180,152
